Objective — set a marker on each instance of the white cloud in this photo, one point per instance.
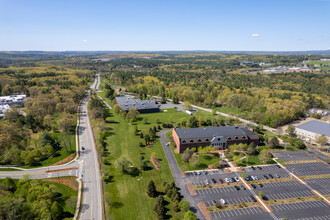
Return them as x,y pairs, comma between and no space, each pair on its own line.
255,35
84,41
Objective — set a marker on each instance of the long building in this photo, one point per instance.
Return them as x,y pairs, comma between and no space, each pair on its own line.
12,100
219,137
313,129
143,106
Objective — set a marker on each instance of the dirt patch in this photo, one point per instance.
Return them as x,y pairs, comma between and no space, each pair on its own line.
191,189
149,145
204,210
65,160
68,181
59,170
155,162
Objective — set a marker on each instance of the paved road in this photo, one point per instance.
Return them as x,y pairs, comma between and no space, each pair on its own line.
105,102
87,167
179,180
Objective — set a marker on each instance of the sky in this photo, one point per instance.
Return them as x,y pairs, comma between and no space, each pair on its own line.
162,25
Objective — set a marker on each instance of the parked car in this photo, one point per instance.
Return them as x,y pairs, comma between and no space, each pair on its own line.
207,182
271,176
278,176
233,179
259,168
82,148
205,172
259,184
222,201
278,166
198,172
253,168
253,199
254,186
227,180
266,177
195,173
237,188
236,179
220,180
167,144
243,187
214,181
253,178
248,178
256,177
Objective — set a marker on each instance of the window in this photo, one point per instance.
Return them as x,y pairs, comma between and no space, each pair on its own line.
228,138
206,139
218,139
199,140
236,137
191,140
183,141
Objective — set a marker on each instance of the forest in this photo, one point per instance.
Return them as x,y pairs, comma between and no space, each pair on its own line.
45,125
218,80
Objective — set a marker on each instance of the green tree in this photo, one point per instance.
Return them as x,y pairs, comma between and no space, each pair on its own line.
145,121
298,143
273,143
291,130
116,108
261,194
184,205
124,164
322,140
243,175
159,207
189,215
56,210
187,106
175,206
265,156
187,155
144,165
195,160
151,191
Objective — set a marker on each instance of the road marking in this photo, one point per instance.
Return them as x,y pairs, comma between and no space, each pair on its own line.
81,162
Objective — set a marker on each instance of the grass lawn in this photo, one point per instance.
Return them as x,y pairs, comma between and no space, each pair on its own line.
252,160
205,159
229,110
125,196
8,169
61,154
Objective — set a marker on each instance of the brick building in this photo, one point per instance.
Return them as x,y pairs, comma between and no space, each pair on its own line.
219,137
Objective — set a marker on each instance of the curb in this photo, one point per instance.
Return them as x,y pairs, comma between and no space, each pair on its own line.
265,207
322,196
79,199
204,210
191,189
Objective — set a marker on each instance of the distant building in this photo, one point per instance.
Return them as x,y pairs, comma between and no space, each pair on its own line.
318,111
143,106
313,129
12,100
219,137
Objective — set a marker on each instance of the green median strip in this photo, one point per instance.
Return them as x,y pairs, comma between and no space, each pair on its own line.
8,169
218,207
293,200
315,177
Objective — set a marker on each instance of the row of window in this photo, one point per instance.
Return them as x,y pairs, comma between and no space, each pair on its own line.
199,140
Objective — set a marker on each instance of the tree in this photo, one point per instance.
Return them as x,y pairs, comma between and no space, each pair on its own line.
147,138
124,164
298,143
194,160
218,205
116,108
151,191
136,130
175,206
56,210
144,165
187,106
159,207
214,111
322,140
291,130
189,215
274,143
141,144
65,122
145,121
132,113
243,175
261,194
187,155
184,205
265,156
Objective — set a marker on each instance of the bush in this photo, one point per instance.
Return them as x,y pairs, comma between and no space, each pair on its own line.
184,205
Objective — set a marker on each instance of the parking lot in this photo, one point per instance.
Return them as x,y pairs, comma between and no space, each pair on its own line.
293,155
211,196
302,210
254,212
322,185
263,172
309,169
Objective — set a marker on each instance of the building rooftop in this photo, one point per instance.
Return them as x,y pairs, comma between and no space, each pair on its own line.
318,127
214,131
12,98
127,103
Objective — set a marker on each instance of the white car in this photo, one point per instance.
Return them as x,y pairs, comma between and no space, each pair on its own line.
227,180
253,178
236,178
222,201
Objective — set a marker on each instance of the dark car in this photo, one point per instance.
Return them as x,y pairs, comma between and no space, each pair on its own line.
253,168
253,199
271,176
247,178
220,180
266,177
259,168
236,187
82,148
259,184
205,172
233,179
254,186
278,166
213,181
278,176
243,187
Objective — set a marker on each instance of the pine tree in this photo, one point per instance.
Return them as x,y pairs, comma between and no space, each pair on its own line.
151,189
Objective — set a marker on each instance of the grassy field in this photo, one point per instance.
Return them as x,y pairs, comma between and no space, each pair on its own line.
123,192
8,169
229,110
